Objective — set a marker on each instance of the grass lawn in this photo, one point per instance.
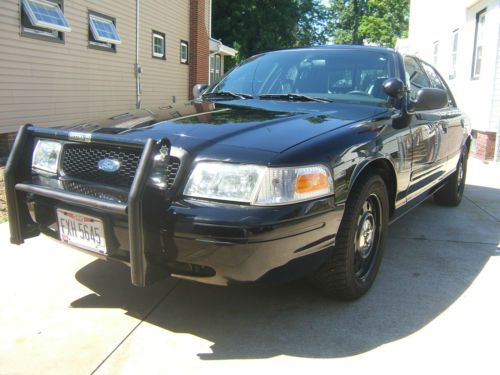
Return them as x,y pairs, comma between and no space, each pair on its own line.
3,201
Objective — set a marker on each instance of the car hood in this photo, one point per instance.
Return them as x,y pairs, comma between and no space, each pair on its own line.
272,126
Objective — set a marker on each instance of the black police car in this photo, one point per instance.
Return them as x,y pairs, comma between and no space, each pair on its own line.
292,165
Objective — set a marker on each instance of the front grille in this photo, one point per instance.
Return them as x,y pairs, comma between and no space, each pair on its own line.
85,189
80,161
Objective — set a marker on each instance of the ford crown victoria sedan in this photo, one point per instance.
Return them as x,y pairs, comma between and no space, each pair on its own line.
291,166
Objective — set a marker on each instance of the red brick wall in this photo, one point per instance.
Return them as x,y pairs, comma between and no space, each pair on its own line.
484,147
198,46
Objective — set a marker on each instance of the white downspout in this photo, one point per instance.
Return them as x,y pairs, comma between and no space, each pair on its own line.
138,69
209,36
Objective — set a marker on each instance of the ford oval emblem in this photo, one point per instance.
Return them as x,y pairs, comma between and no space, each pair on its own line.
108,165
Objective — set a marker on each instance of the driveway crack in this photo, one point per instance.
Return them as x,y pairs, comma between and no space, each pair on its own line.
137,326
441,240
482,209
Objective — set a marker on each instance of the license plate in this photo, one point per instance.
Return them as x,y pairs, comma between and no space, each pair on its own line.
81,230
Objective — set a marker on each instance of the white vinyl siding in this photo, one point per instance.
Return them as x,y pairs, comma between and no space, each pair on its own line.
495,102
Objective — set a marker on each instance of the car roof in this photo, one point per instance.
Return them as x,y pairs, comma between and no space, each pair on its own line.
338,47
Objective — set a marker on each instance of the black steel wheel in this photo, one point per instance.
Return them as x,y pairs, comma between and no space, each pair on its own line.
366,239
359,244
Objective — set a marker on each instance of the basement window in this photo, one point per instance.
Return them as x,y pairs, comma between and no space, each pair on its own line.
102,32
44,19
184,52
158,45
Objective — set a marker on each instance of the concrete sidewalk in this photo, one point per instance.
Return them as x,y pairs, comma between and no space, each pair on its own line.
435,307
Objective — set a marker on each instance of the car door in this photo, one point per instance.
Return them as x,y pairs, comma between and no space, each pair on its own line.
452,120
429,154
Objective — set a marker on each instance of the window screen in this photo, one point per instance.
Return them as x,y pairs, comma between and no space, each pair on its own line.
103,30
46,14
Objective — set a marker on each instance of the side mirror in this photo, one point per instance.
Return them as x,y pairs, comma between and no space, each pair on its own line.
199,89
428,99
394,87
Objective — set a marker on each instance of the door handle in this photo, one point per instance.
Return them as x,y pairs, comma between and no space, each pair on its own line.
444,126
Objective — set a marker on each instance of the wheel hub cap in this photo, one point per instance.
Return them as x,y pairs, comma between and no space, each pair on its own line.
460,174
366,234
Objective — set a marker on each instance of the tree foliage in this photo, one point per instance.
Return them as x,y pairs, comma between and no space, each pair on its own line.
312,22
379,22
254,26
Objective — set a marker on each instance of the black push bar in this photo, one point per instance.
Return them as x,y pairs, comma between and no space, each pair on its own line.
133,209
138,262
12,166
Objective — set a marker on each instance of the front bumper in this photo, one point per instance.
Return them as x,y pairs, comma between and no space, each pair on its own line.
204,241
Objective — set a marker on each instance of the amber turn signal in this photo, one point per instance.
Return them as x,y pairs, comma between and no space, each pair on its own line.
308,182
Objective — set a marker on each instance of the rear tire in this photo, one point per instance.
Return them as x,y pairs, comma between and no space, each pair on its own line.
355,261
453,190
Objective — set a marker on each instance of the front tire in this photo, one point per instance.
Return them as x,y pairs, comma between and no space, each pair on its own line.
453,190
359,244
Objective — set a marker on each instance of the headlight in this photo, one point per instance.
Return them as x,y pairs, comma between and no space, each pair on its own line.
224,181
46,156
258,185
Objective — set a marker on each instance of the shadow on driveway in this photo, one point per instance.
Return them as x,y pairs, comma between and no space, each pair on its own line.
433,255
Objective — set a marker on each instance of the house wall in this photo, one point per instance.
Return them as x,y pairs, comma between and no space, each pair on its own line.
199,50
162,80
53,84
495,102
435,21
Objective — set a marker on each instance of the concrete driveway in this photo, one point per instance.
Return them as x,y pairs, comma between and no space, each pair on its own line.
435,307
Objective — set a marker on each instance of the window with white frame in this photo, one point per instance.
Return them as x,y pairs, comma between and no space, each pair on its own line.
102,32
44,19
435,53
211,64
184,52
215,67
158,45
477,57
454,53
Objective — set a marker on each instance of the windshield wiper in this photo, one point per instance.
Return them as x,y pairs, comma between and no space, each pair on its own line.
294,98
227,94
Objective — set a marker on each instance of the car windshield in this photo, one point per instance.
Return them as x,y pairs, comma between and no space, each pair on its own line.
331,74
